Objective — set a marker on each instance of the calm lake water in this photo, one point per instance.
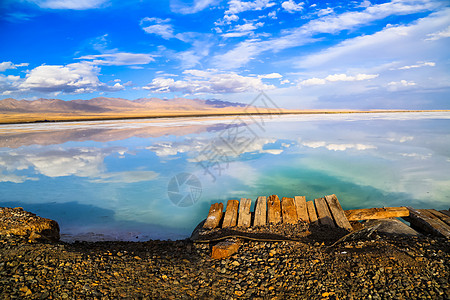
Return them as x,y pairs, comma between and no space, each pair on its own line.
142,179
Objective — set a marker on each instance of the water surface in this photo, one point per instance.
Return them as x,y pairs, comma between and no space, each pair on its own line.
142,179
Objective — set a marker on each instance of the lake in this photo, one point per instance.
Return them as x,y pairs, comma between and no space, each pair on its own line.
156,179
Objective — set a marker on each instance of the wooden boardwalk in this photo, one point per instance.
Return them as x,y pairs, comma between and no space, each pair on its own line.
325,211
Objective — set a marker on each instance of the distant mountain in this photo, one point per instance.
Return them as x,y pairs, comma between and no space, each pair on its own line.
112,105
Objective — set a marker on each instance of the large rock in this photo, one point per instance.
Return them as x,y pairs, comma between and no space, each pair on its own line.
16,221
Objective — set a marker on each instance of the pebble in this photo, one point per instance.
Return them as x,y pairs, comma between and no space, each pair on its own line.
384,268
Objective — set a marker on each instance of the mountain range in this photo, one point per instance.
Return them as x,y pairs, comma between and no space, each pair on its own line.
103,104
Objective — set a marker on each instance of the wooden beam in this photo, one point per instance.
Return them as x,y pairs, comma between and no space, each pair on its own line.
302,211
427,222
231,213
337,212
273,209
244,217
260,211
323,213
312,213
376,213
445,212
214,216
225,249
443,217
289,212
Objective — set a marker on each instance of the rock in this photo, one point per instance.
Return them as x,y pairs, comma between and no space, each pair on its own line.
16,221
391,226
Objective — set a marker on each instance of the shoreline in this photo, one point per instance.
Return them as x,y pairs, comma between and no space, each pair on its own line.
64,119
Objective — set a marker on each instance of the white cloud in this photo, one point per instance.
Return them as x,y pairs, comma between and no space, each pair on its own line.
119,59
72,78
69,4
244,29
402,83
338,147
236,7
250,49
424,64
198,5
292,7
439,35
6,65
158,26
208,82
337,77
271,75
325,11
285,81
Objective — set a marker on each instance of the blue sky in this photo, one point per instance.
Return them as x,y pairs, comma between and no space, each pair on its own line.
303,54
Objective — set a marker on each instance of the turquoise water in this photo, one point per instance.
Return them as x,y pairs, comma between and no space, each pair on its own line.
142,179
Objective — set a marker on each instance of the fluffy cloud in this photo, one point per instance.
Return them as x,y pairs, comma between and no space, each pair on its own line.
73,78
337,77
236,7
69,4
271,75
208,82
292,7
424,64
119,59
193,8
158,26
6,65
439,35
244,29
337,147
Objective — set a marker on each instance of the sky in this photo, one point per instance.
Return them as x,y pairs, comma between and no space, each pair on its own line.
302,54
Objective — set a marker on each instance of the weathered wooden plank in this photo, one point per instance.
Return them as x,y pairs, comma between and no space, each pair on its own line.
426,222
312,213
338,213
231,213
244,217
289,212
260,211
376,213
302,211
323,213
225,249
445,212
214,216
443,217
273,209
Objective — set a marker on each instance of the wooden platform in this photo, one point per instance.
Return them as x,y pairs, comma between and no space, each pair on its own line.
325,211
322,211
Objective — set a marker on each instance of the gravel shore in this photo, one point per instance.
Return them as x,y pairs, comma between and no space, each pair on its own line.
379,267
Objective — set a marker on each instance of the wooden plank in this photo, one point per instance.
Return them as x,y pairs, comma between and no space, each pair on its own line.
289,212
376,213
428,223
445,212
323,213
302,211
231,213
244,217
338,213
214,216
260,211
443,217
312,213
225,249
273,209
